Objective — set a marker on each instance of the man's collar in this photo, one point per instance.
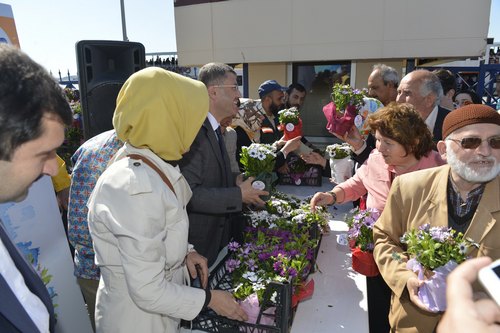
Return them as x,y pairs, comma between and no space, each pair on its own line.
213,122
431,119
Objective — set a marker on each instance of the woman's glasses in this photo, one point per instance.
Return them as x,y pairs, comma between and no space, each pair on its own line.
473,143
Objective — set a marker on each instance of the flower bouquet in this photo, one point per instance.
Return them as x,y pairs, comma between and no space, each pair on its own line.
258,161
342,111
290,123
360,237
434,252
341,165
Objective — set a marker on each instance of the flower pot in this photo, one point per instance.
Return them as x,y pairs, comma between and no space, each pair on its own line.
265,181
339,123
341,169
292,131
303,292
363,262
352,244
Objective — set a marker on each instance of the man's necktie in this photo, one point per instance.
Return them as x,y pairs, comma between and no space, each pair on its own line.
223,151
220,138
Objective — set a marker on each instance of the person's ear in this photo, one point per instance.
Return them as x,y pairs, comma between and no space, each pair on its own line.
450,93
212,92
441,147
430,99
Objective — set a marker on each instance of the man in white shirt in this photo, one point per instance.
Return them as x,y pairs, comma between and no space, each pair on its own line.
33,112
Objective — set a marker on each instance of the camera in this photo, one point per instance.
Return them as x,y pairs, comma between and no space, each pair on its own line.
489,277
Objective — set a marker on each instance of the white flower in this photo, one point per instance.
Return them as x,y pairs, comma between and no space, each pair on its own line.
250,276
258,286
253,153
279,278
299,218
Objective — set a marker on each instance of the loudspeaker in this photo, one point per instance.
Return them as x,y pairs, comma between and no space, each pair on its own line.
103,68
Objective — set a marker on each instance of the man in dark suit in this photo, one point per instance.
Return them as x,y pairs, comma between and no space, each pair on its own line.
218,193
423,90
33,112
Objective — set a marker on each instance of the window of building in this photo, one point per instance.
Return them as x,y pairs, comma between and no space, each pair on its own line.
318,78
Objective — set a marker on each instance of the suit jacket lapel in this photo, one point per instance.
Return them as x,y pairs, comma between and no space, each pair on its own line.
437,213
12,313
438,126
32,281
222,160
483,221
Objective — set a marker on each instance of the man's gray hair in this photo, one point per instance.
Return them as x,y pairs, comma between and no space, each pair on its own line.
388,74
431,84
214,73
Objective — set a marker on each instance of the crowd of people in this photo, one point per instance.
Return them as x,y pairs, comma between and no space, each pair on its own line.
170,64
153,201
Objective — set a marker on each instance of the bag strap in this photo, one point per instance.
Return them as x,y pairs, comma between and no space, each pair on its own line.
155,168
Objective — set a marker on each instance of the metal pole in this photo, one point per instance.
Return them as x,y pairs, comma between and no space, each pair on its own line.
124,24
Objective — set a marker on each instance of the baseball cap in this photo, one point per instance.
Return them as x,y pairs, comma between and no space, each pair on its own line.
268,86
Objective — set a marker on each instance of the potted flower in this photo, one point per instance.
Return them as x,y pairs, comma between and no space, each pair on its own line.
275,249
342,111
341,164
268,271
360,237
290,123
258,161
279,246
433,253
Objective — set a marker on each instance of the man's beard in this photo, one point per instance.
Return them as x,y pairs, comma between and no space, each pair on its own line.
275,108
469,174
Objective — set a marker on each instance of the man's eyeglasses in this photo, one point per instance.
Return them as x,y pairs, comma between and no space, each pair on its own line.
473,143
233,87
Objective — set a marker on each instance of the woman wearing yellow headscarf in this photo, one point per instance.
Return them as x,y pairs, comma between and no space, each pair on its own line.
137,214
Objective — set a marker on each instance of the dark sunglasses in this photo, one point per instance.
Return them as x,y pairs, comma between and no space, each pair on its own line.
473,143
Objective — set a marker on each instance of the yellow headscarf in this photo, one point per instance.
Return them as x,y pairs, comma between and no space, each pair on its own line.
160,110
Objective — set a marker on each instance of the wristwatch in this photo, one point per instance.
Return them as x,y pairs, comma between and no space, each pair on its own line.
334,196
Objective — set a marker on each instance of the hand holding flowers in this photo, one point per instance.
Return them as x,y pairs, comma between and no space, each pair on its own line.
340,114
433,247
434,252
258,161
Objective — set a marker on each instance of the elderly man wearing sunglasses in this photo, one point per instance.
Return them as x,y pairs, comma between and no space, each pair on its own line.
463,195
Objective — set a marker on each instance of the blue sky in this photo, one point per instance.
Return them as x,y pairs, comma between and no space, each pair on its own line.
49,29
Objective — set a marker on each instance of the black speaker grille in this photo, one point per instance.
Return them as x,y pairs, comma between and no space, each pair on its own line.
103,67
